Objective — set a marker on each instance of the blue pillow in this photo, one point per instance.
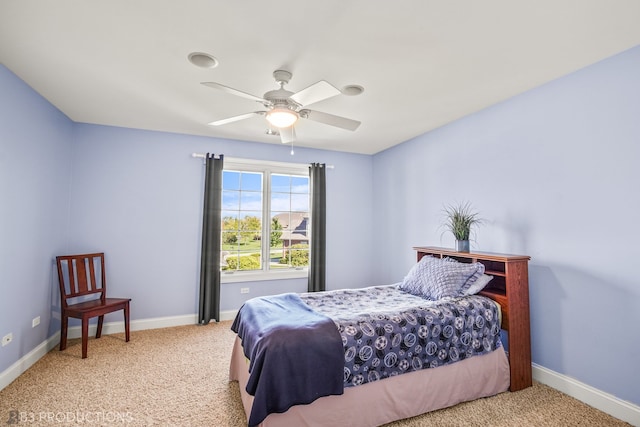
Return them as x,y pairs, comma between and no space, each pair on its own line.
436,278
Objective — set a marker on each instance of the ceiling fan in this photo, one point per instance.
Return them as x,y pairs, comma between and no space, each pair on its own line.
284,108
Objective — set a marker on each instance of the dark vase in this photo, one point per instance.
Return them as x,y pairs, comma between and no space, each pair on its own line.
462,245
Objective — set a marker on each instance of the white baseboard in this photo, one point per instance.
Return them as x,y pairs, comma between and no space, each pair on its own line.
14,371
228,315
142,324
605,402
136,325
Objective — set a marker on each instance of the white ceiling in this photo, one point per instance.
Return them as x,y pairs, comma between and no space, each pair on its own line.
423,63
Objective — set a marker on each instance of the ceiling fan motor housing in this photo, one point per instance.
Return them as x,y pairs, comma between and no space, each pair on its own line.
280,98
282,76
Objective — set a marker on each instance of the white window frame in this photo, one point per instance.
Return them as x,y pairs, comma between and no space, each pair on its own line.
267,168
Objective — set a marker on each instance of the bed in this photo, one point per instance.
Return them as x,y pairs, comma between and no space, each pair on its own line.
386,353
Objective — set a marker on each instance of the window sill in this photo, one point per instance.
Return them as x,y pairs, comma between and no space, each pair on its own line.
262,276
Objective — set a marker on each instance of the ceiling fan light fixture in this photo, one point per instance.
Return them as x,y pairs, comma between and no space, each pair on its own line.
281,117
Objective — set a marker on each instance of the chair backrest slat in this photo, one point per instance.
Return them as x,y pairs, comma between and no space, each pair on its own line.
76,280
81,274
92,274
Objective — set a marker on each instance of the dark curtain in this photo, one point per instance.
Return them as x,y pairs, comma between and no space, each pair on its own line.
317,255
209,306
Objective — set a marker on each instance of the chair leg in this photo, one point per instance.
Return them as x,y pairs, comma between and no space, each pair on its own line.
85,336
126,321
63,331
99,330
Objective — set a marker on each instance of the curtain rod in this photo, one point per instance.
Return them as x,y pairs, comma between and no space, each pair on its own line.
204,156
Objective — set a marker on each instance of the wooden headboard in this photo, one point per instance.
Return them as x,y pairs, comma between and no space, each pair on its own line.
509,288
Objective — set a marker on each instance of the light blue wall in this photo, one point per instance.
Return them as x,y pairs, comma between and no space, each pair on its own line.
137,195
35,147
555,174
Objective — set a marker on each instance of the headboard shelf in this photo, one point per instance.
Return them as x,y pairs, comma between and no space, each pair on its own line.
495,273
509,288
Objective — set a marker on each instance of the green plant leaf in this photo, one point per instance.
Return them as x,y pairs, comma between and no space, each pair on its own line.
460,219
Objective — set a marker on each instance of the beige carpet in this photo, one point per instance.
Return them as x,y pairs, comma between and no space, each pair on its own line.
179,377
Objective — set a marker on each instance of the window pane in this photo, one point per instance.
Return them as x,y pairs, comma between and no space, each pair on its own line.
300,184
231,180
230,200
251,181
228,215
275,235
296,256
280,183
280,202
241,220
253,222
229,240
300,202
289,236
251,201
243,261
230,224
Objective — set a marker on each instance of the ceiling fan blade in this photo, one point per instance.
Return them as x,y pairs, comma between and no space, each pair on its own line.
233,91
315,93
330,119
287,135
236,118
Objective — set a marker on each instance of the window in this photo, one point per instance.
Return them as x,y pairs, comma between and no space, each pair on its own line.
265,220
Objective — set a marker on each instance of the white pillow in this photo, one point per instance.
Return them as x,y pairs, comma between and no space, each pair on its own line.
478,285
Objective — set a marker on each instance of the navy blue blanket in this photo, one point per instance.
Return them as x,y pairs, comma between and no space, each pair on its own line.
296,354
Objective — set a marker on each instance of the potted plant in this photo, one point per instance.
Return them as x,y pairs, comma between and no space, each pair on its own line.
460,219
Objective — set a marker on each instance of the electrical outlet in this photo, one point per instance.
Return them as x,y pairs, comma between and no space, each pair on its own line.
7,339
35,322
244,290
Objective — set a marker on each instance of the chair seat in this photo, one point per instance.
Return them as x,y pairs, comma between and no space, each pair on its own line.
96,307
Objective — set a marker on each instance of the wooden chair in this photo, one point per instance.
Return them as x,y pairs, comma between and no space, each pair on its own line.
79,283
